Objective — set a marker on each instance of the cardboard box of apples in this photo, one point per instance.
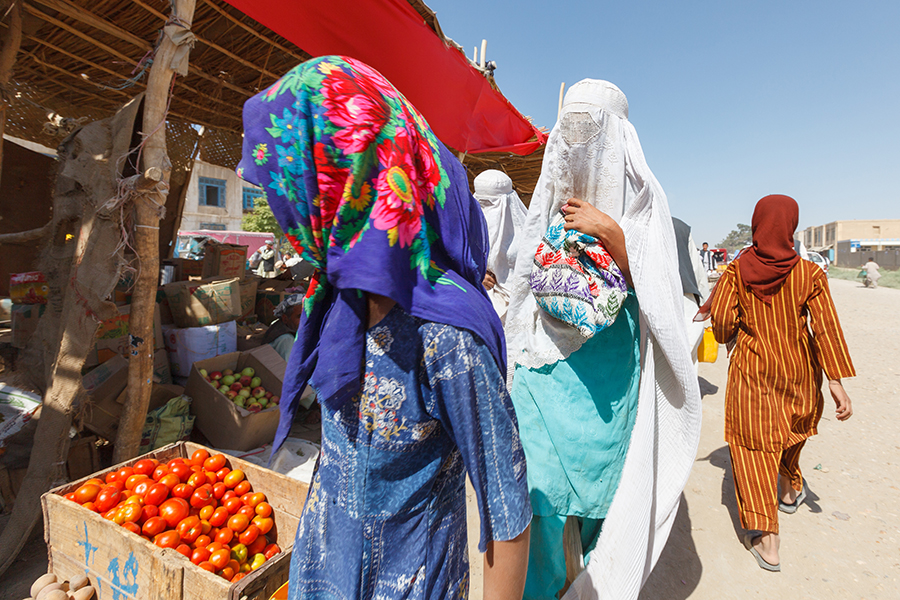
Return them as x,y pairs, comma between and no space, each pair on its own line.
235,397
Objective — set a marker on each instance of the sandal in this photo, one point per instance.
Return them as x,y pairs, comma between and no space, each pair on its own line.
792,507
763,563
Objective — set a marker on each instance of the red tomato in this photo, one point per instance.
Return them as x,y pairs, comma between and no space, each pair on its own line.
247,511
90,506
111,476
219,490
214,463
216,546
257,546
227,573
167,539
249,535
238,523
196,480
205,526
148,511
203,541
206,512
210,476
95,481
141,488
130,512
119,484
265,524
222,473
242,488
224,536
271,550
154,526
110,514
233,505
199,555
156,494
256,499
173,510
132,481
186,523
199,456
228,494
145,466
182,490
159,471
233,478
124,473
238,577
220,558
219,517
191,535
71,497
182,470
264,509
132,527
207,566
184,550
107,498
202,497
175,461
87,493
170,480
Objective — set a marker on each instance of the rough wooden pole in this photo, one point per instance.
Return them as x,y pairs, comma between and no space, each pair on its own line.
146,242
11,43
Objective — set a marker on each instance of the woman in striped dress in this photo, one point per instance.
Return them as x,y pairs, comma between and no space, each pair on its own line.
778,311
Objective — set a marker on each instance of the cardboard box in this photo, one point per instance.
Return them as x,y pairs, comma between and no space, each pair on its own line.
24,321
191,344
125,566
250,336
162,373
103,385
28,288
270,294
185,269
112,337
224,424
206,302
224,260
16,409
249,286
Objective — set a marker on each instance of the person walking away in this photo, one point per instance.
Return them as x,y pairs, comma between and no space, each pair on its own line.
589,406
505,216
707,258
778,310
397,337
694,282
266,266
872,274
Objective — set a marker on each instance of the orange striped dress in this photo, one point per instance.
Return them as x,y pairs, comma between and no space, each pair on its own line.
773,399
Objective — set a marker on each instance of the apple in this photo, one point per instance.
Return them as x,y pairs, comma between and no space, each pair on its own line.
231,395
216,375
239,401
245,381
215,384
255,382
262,402
235,387
227,372
254,407
203,373
258,392
228,380
274,400
268,395
248,372
245,392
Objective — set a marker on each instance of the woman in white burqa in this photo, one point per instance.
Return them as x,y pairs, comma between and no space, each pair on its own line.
505,216
610,424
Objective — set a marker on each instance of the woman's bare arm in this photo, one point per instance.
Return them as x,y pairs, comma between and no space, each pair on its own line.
587,219
505,567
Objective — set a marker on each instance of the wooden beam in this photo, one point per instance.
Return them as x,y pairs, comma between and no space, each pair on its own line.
252,31
80,14
23,237
11,44
156,166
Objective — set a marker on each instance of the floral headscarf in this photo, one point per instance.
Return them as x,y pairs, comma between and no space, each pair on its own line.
367,194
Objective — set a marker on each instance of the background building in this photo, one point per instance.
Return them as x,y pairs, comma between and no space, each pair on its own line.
851,243
216,199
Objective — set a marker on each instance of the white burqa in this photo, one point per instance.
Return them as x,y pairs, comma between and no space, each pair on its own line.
593,153
505,215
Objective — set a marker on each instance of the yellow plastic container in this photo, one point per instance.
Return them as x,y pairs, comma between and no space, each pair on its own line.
708,351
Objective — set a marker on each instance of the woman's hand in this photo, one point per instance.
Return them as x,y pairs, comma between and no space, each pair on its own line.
585,218
489,280
843,408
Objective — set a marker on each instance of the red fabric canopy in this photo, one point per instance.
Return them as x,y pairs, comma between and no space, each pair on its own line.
459,103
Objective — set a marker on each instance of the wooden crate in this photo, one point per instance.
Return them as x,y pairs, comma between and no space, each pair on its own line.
125,566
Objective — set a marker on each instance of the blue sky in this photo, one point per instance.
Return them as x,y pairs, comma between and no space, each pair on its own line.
732,100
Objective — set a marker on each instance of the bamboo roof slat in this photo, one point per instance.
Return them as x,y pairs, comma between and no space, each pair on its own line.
253,32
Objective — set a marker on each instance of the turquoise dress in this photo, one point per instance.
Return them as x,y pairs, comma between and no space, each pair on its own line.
575,420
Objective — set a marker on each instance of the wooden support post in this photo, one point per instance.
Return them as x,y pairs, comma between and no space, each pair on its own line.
146,241
11,43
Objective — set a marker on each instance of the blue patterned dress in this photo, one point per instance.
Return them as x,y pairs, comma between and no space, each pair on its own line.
386,513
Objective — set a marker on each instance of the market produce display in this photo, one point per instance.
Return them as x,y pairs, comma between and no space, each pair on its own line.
48,587
244,389
198,506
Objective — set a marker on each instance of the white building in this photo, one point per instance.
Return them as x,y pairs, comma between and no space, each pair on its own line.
216,199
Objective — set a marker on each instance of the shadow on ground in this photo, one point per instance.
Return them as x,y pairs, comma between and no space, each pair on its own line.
678,570
707,388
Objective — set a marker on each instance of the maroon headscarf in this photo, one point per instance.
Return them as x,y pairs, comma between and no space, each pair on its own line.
766,265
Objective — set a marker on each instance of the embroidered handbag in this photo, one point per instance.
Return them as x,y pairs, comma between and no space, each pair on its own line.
575,280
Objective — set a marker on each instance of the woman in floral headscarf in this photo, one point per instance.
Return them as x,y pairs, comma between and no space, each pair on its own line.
397,337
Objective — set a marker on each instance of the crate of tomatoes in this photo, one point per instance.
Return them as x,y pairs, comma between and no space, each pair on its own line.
182,522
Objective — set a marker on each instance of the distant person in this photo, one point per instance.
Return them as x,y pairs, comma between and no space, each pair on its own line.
505,215
872,274
254,259
777,309
707,258
290,259
694,282
266,266
283,330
